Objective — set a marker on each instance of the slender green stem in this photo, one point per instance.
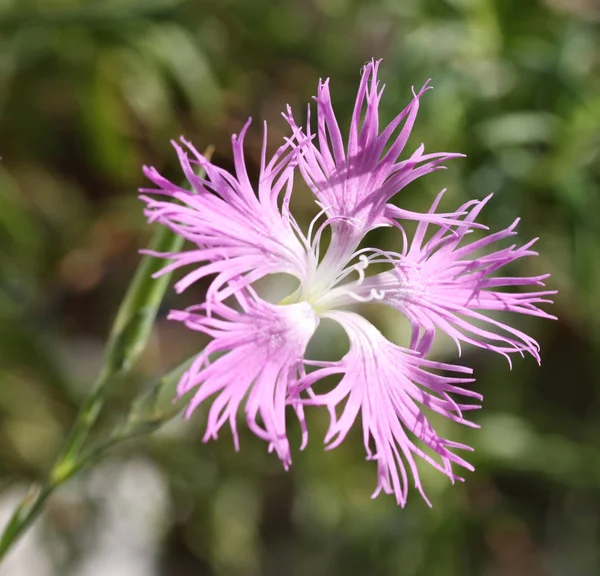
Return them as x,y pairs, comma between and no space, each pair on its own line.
31,506
86,418
23,516
65,468
128,336
127,339
149,411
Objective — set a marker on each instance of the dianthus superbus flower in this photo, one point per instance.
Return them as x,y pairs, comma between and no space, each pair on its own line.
256,360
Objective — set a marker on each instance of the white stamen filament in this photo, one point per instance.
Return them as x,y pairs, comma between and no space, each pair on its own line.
314,221
374,294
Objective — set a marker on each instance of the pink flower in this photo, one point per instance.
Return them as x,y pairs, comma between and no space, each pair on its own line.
441,283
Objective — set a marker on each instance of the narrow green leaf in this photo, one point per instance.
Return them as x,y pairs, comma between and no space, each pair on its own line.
137,313
155,406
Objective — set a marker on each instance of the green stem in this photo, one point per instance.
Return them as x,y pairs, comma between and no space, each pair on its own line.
148,412
31,506
64,469
126,341
23,516
86,418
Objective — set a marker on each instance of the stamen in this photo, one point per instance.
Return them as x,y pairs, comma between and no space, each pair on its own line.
385,258
314,221
383,253
299,233
317,239
374,294
361,267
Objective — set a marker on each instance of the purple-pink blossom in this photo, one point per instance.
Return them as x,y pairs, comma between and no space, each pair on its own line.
256,362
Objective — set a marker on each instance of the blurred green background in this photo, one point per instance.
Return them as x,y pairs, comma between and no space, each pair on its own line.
91,90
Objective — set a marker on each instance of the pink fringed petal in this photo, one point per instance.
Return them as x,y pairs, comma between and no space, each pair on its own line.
237,231
356,181
260,356
388,386
444,283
